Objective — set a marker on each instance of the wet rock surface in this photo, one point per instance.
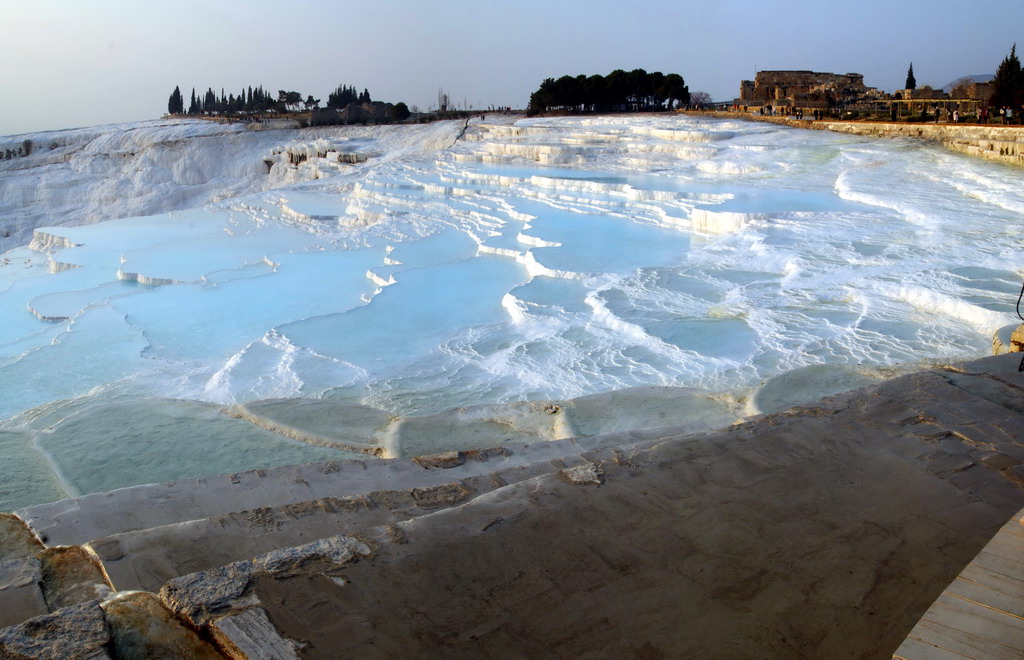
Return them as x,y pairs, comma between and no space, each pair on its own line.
17,540
21,597
141,627
70,575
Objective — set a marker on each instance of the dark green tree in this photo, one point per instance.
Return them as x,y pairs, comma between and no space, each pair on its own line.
635,90
193,107
911,81
341,97
595,93
1007,86
674,89
618,91
655,91
618,88
400,111
288,101
543,98
570,93
175,104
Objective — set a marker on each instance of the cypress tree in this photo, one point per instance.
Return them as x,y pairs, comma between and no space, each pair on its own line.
344,95
175,104
911,81
1008,83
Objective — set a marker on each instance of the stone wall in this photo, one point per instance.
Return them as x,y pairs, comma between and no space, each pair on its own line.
1001,143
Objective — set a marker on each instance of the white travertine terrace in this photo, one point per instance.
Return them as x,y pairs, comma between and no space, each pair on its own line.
528,260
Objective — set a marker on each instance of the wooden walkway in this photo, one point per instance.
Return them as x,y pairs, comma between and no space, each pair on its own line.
981,613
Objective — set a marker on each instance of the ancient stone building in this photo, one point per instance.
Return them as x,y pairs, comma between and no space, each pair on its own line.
925,93
802,88
981,91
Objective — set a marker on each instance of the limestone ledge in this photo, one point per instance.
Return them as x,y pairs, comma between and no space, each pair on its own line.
991,141
45,241
1008,339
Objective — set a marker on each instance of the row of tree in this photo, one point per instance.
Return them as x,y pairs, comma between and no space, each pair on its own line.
342,96
254,100
619,91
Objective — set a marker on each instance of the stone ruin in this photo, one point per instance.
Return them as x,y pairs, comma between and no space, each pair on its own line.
807,89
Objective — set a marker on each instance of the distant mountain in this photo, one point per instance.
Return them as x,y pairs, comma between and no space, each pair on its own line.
981,77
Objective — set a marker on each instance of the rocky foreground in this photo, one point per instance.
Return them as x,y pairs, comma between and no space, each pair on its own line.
821,531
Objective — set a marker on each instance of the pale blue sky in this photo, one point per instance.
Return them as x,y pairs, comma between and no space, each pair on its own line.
69,63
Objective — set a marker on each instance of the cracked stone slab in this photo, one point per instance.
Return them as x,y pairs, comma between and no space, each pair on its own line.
250,634
146,559
80,520
206,596
78,632
201,597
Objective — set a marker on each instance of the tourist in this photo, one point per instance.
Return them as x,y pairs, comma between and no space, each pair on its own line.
1009,115
956,116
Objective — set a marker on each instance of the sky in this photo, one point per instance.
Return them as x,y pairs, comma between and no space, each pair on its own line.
72,63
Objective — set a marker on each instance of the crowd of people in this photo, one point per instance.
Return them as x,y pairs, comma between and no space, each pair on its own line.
1004,115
